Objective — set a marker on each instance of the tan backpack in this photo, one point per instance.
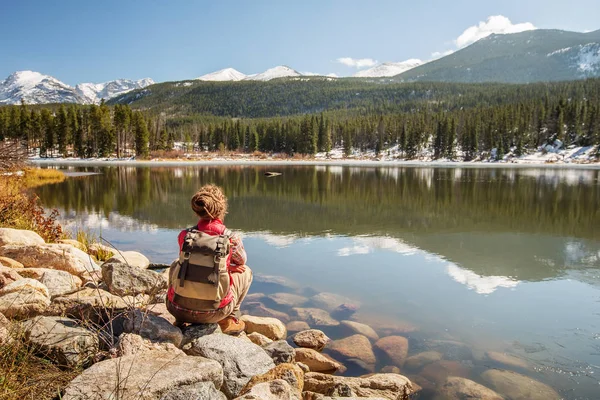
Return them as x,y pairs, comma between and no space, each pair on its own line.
200,278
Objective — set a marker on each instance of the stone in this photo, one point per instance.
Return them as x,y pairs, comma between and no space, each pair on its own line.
297,326
315,316
456,388
152,327
311,339
353,327
8,276
124,280
240,359
395,348
318,362
101,251
387,386
259,310
272,283
87,303
255,297
507,359
195,331
22,284
273,390
355,346
54,256
61,340
390,369
10,263
420,360
75,243
160,309
130,258
329,301
197,391
515,386
57,282
23,304
438,371
357,367
272,328
5,331
145,376
287,299
259,339
288,372
345,311
303,366
280,352
9,236
130,343
386,326
451,349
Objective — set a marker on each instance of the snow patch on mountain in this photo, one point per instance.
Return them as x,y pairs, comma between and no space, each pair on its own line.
36,88
281,71
389,69
588,59
227,74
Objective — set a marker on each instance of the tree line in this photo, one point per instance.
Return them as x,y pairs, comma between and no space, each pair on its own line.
515,125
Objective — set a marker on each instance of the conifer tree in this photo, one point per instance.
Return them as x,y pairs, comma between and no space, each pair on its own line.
141,135
62,129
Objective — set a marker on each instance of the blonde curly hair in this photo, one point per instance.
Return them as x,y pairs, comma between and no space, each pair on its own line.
210,203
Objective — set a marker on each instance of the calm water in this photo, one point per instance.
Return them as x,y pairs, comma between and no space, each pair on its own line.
495,259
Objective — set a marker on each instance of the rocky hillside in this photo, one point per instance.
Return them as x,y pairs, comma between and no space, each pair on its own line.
107,324
531,56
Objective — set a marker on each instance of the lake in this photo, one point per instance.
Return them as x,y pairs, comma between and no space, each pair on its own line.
462,261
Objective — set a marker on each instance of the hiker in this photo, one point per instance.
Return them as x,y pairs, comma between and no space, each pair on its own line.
209,281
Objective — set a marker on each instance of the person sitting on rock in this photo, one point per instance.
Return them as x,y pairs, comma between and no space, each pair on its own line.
209,281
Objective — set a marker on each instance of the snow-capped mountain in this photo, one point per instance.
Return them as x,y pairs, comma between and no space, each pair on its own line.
92,93
585,59
281,71
36,88
389,69
227,74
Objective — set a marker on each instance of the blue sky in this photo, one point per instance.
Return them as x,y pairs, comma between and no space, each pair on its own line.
95,41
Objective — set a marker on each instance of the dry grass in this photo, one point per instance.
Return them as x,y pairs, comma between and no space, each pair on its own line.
34,177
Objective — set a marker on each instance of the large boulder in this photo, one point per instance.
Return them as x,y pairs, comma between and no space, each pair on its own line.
197,391
395,347
355,346
195,331
315,316
438,371
420,360
126,280
456,388
272,328
23,284
258,339
150,375
88,303
8,276
290,373
507,359
273,390
151,327
352,327
23,304
240,359
75,243
311,339
515,386
297,326
54,256
130,343
10,263
130,258
287,299
280,352
329,301
318,362
387,386
57,282
259,310
9,236
61,340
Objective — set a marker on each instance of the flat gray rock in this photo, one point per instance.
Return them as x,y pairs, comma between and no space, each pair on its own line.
152,327
126,280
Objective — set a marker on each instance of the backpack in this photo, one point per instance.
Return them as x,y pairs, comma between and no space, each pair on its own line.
200,279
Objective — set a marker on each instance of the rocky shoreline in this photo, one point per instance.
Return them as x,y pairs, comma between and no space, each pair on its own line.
108,321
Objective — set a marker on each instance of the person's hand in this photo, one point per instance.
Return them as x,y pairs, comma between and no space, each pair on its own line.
239,268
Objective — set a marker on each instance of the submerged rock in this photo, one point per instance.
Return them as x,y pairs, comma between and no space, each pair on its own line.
507,359
438,371
395,348
329,301
456,388
297,326
287,299
418,361
240,359
61,340
259,310
515,386
272,328
387,386
355,346
353,327
315,316
311,339
147,375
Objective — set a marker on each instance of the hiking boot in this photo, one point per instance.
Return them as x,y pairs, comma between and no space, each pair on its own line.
232,326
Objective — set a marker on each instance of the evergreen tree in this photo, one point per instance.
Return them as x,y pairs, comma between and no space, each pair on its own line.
62,130
142,135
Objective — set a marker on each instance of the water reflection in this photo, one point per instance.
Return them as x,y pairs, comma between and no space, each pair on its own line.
502,259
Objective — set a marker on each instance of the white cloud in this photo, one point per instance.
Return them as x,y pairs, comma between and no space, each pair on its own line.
479,283
367,244
357,62
494,24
